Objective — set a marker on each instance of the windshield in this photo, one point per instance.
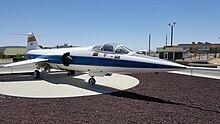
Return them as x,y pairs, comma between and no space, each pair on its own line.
113,47
122,50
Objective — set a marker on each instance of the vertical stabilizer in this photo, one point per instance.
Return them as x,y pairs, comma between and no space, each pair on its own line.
32,42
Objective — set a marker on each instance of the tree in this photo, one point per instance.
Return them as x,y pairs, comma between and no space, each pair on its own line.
2,54
200,43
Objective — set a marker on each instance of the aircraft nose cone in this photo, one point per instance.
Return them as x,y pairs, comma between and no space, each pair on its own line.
152,62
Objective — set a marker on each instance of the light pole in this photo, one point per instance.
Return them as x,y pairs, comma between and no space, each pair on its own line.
166,39
149,40
171,26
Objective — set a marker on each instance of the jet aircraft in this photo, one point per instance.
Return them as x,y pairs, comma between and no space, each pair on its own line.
101,60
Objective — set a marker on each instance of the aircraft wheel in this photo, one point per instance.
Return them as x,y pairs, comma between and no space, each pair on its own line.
71,72
36,74
92,81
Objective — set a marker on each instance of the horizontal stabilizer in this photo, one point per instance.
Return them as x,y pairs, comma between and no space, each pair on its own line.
25,62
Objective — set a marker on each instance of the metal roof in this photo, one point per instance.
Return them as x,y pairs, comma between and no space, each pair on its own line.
170,49
15,51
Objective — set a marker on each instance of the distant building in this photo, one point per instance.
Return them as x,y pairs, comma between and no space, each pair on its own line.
200,48
12,52
65,45
181,51
171,53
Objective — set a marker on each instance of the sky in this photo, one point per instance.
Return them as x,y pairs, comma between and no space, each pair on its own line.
94,22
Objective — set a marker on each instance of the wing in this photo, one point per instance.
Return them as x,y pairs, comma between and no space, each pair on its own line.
25,62
203,68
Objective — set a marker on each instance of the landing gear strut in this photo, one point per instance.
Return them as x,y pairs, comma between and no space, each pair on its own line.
92,81
36,74
41,69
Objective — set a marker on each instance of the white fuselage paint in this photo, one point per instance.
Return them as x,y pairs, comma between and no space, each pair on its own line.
96,70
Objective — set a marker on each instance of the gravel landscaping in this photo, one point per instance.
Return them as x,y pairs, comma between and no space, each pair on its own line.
159,98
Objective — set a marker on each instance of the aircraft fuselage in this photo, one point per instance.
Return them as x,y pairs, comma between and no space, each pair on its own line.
99,63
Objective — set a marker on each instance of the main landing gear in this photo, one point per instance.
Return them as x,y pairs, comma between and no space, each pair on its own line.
71,72
36,74
92,81
41,69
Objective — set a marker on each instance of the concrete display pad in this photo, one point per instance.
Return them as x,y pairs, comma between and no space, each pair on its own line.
58,85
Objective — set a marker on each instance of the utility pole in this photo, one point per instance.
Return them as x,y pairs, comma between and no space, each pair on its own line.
171,26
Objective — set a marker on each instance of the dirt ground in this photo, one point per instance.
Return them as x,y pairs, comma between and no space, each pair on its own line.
215,61
159,98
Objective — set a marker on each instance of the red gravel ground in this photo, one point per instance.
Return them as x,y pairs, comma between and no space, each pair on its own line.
159,98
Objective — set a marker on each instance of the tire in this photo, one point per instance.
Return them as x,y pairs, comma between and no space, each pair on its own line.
36,74
71,72
92,81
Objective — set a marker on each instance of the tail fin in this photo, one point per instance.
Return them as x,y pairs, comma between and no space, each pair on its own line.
32,42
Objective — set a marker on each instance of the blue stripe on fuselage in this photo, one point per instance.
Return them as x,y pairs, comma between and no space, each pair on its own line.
96,61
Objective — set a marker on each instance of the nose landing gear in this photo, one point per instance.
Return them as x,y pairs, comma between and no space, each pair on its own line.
92,81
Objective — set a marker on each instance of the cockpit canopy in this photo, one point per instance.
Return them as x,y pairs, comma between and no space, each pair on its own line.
113,47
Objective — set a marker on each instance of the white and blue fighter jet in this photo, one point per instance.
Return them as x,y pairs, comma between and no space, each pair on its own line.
96,60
